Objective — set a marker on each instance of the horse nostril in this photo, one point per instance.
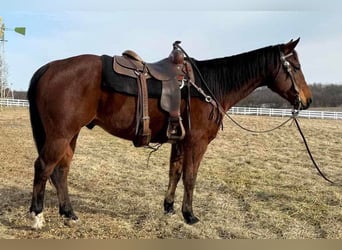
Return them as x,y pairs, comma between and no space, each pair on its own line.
309,101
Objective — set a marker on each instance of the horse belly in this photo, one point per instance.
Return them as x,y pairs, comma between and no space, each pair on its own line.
117,115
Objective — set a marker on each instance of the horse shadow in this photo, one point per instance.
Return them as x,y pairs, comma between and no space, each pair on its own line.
15,202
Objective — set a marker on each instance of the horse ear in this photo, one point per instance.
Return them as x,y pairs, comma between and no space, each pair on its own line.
289,47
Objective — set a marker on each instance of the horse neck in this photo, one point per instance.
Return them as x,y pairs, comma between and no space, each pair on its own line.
233,97
233,78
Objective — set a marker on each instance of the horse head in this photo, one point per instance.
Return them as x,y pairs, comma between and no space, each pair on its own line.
288,79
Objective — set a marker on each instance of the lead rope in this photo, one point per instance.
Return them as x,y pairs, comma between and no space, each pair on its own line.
294,115
294,118
153,149
259,131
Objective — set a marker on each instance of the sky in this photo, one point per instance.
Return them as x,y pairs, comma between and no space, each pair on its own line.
207,29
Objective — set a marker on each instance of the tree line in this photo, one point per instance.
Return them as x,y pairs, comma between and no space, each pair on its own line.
324,95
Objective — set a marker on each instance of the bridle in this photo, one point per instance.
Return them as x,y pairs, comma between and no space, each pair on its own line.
287,66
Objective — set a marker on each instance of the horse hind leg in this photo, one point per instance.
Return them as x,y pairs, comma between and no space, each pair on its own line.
59,179
176,166
51,154
37,197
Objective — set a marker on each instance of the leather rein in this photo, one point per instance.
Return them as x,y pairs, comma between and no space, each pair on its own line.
287,65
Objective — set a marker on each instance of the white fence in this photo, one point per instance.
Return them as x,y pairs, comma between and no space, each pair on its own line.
13,102
311,114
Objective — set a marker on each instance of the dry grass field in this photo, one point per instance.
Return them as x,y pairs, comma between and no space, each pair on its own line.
249,186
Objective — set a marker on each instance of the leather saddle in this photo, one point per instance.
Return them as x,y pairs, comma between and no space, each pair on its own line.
171,71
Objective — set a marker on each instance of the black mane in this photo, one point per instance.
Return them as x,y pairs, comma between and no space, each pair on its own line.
231,73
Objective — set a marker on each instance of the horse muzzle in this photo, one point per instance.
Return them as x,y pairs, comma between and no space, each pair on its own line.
302,105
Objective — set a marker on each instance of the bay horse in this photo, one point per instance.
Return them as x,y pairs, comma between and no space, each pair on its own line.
66,95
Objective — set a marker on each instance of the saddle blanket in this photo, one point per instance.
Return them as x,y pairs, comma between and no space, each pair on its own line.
125,84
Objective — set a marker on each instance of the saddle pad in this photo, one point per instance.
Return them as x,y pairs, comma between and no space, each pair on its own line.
124,84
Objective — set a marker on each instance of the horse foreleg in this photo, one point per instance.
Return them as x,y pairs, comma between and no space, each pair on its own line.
49,157
193,154
176,162
59,179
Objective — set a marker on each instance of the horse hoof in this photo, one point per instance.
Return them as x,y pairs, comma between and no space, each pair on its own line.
190,218
191,221
168,207
38,221
71,222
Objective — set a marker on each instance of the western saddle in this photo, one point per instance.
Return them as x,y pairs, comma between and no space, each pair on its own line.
171,71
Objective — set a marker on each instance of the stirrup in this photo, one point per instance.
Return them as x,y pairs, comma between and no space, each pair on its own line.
175,130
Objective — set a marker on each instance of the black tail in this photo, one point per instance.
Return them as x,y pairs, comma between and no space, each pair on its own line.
36,123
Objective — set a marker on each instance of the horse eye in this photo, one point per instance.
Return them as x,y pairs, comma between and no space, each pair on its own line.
296,66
